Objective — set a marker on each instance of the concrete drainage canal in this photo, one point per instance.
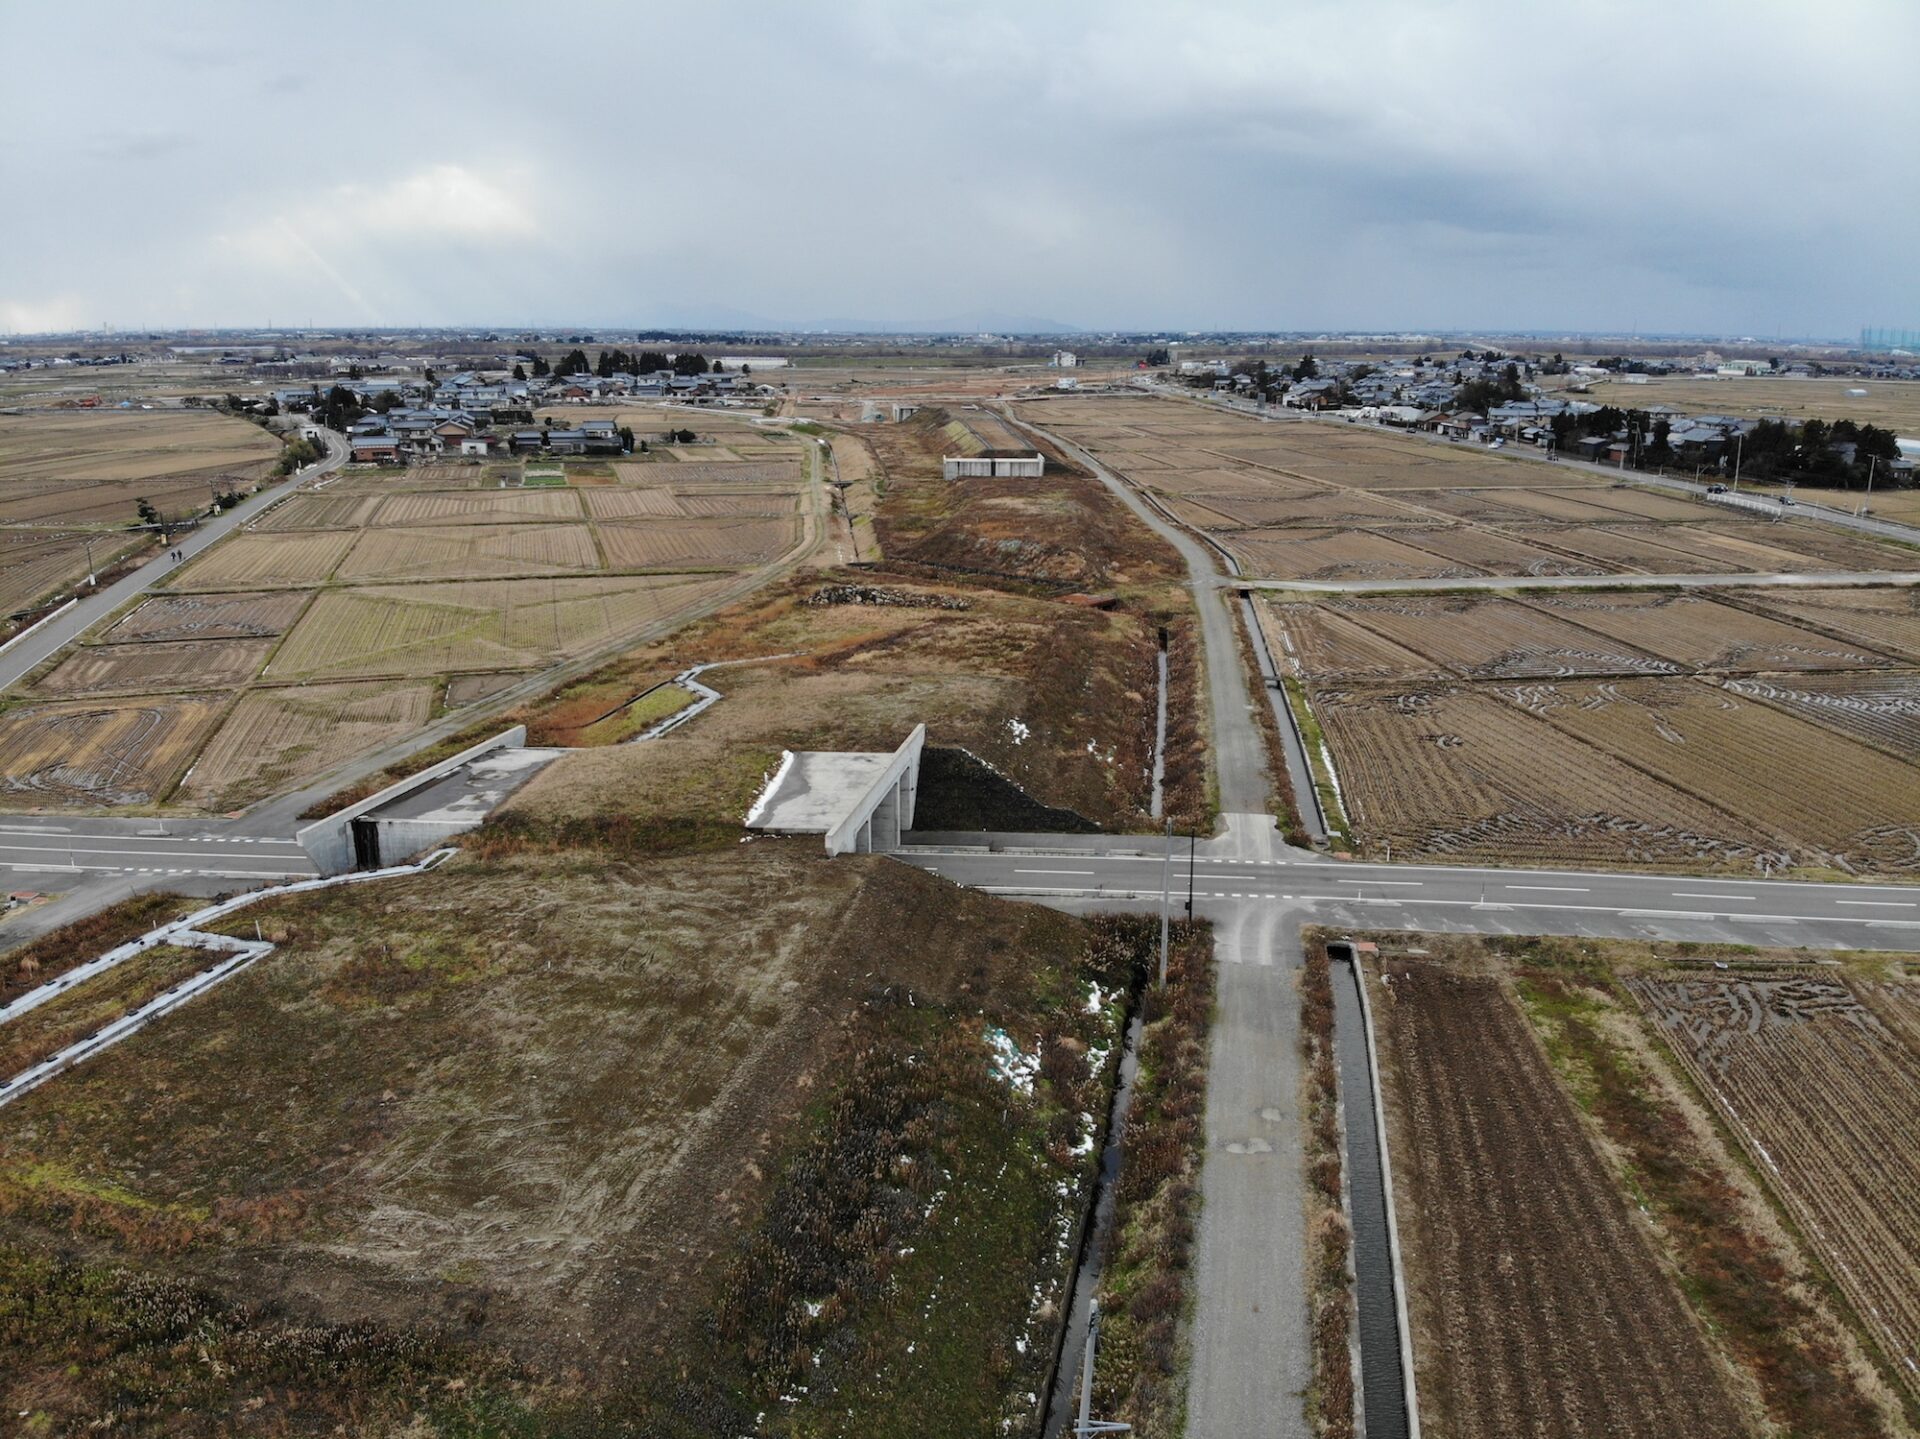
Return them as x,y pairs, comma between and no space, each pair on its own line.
1385,1388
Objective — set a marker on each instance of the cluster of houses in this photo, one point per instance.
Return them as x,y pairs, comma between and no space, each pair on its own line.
404,435
1412,396
475,416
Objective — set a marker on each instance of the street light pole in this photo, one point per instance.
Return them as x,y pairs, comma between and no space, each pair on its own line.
1193,845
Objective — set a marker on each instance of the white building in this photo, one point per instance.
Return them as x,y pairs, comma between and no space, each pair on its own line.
992,467
1065,359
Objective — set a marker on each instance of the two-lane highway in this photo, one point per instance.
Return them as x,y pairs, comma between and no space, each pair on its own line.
1756,910
63,849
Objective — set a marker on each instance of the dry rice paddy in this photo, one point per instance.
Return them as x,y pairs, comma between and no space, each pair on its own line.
92,754
266,561
482,507
1271,493
432,629
275,739
210,617
146,668
1661,728
400,577
696,544
449,552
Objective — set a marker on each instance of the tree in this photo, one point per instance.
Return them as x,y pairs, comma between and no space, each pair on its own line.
1158,357
684,437
148,514
1307,369
341,408
519,372
541,367
626,439
718,367
429,376
1660,451
354,372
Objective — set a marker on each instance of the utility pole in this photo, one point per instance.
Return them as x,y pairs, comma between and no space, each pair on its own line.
1873,462
1739,447
87,540
1166,899
1193,845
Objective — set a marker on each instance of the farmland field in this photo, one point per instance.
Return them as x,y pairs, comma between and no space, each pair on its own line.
1459,772
415,575
1491,637
274,739
430,629
1886,619
452,552
35,563
1307,500
150,666
695,544
1695,630
127,753
96,463
128,446
1878,709
318,512
1846,803
1536,1299
265,561
481,507
1817,1075
632,504
210,617
1652,728
1891,404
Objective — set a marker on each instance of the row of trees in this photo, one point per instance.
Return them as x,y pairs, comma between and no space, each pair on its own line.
621,362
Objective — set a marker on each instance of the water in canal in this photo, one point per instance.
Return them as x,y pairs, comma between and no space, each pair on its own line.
1382,1383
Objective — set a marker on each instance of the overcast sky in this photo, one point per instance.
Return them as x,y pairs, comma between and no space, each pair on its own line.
1739,168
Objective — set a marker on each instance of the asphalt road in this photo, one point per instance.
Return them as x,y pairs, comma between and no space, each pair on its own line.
1498,901
1829,579
29,651
65,849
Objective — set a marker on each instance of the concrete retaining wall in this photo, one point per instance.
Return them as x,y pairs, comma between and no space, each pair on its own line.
329,842
885,810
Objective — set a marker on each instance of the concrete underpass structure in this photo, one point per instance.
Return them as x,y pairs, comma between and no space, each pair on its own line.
424,809
861,801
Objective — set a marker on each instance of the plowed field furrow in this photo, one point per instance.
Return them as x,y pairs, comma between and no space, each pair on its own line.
1447,771
210,617
1696,630
1826,1097
1779,772
1880,709
1535,1296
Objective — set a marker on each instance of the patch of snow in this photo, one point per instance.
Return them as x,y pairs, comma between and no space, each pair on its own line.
1010,1063
1019,730
768,788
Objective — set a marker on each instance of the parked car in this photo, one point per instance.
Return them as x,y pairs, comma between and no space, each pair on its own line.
1716,489
1785,499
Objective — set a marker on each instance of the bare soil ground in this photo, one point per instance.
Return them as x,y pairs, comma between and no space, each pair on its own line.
511,1134
1570,1204
1534,1289
1891,404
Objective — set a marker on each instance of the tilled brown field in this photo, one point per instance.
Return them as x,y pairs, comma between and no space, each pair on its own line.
1818,1077
1538,1304
210,617
1664,728
145,668
124,752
